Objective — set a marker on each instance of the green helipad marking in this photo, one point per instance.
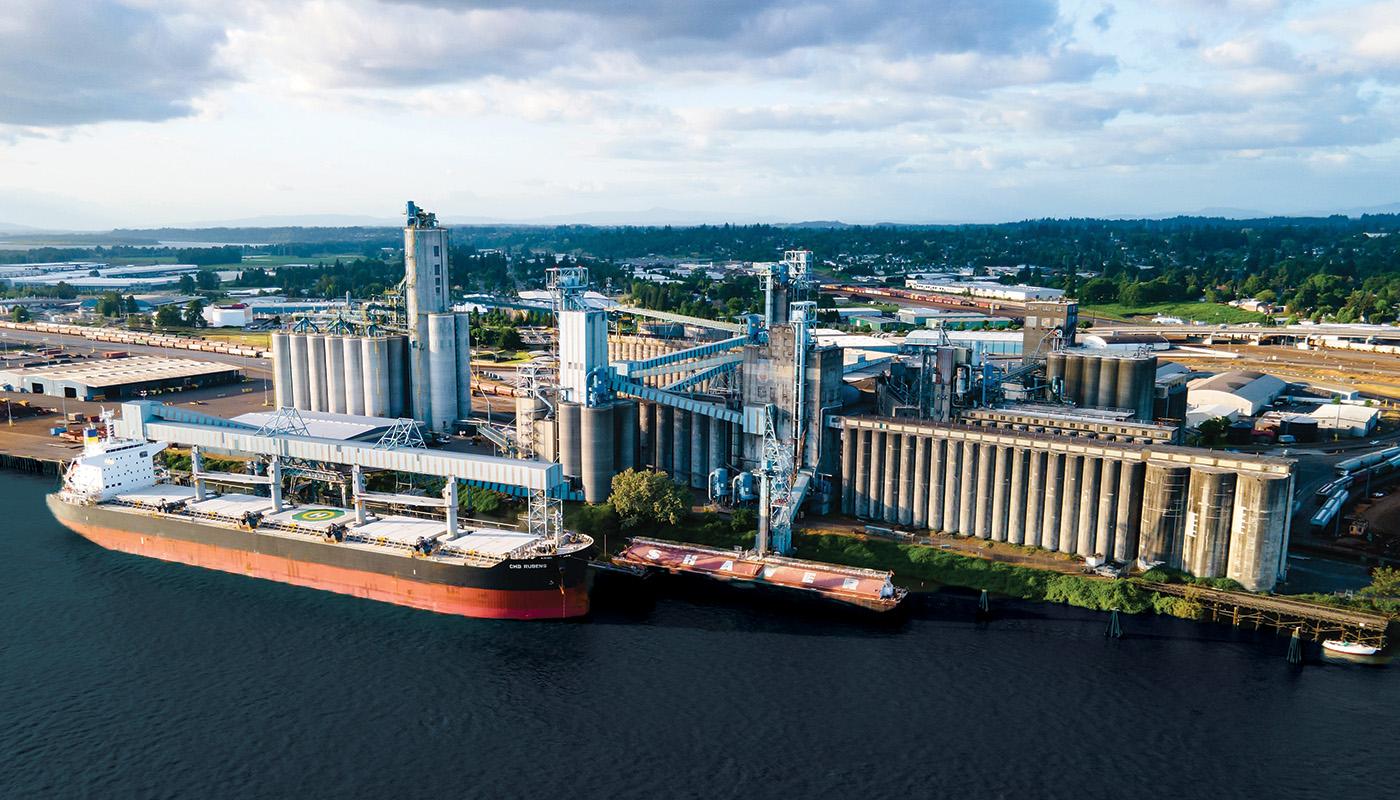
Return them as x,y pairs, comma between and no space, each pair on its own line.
317,515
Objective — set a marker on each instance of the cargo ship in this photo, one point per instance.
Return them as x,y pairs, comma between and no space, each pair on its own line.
852,586
113,495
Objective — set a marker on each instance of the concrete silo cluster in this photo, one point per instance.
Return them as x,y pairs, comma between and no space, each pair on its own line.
1210,514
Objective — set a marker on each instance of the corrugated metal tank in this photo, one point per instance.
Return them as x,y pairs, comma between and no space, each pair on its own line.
1145,381
374,353
442,364
1108,382
597,444
625,423
1125,393
282,370
399,389
1092,365
352,353
569,417
316,361
301,373
463,329
1074,378
335,374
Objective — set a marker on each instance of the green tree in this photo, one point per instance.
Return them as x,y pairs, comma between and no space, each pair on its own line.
1213,430
168,316
186,284
194,314
110,305
207,279
19,314
1385,582
647,498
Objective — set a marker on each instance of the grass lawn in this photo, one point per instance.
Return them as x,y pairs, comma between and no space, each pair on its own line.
1202,312
254,338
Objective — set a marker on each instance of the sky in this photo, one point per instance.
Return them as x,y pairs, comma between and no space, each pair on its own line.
141,113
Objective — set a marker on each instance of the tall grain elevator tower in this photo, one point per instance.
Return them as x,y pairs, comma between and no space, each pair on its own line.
438,339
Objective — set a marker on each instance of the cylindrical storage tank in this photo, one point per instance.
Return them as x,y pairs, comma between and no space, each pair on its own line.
1144,381
1050,511
570,419
1092,365
1107,499
680,456
905,503
849,454
316,362
967,507
353,357
374,358
919,517
1258,528
1016,497
937,482
625,425
301,373
889,503
1163,513
335,375
875,478
646,433
1035,496
699,450
719,445
1210,512
1108,382
597,453
861,475
1090,485
952,485
398,377
665,439
462,329
1127,512
282,370
1074,378
1069,504
1001,486
442,363
1055,365
1125,395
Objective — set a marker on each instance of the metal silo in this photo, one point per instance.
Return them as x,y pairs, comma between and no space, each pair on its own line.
374,355
463,329
1108,382
353,357
282,370
398,380
335,375
596,451
301,373
442,364
1090,392
1074,378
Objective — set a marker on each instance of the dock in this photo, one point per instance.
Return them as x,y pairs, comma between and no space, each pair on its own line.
1312,620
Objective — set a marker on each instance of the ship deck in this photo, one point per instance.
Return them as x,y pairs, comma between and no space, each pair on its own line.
474,545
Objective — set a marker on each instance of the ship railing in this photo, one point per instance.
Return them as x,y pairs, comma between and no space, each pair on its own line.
469,556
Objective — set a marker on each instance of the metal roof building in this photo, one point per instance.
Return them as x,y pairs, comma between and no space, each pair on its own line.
1246,392
112,378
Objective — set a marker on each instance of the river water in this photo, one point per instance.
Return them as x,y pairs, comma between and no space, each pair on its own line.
127,677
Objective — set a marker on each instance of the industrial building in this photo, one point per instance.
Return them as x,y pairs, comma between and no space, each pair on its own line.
1022,439
114,378
1247,393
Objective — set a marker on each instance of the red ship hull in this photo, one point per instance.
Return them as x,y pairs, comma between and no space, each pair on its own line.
566,601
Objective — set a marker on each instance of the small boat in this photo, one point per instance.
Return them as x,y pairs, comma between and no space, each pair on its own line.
1349,648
